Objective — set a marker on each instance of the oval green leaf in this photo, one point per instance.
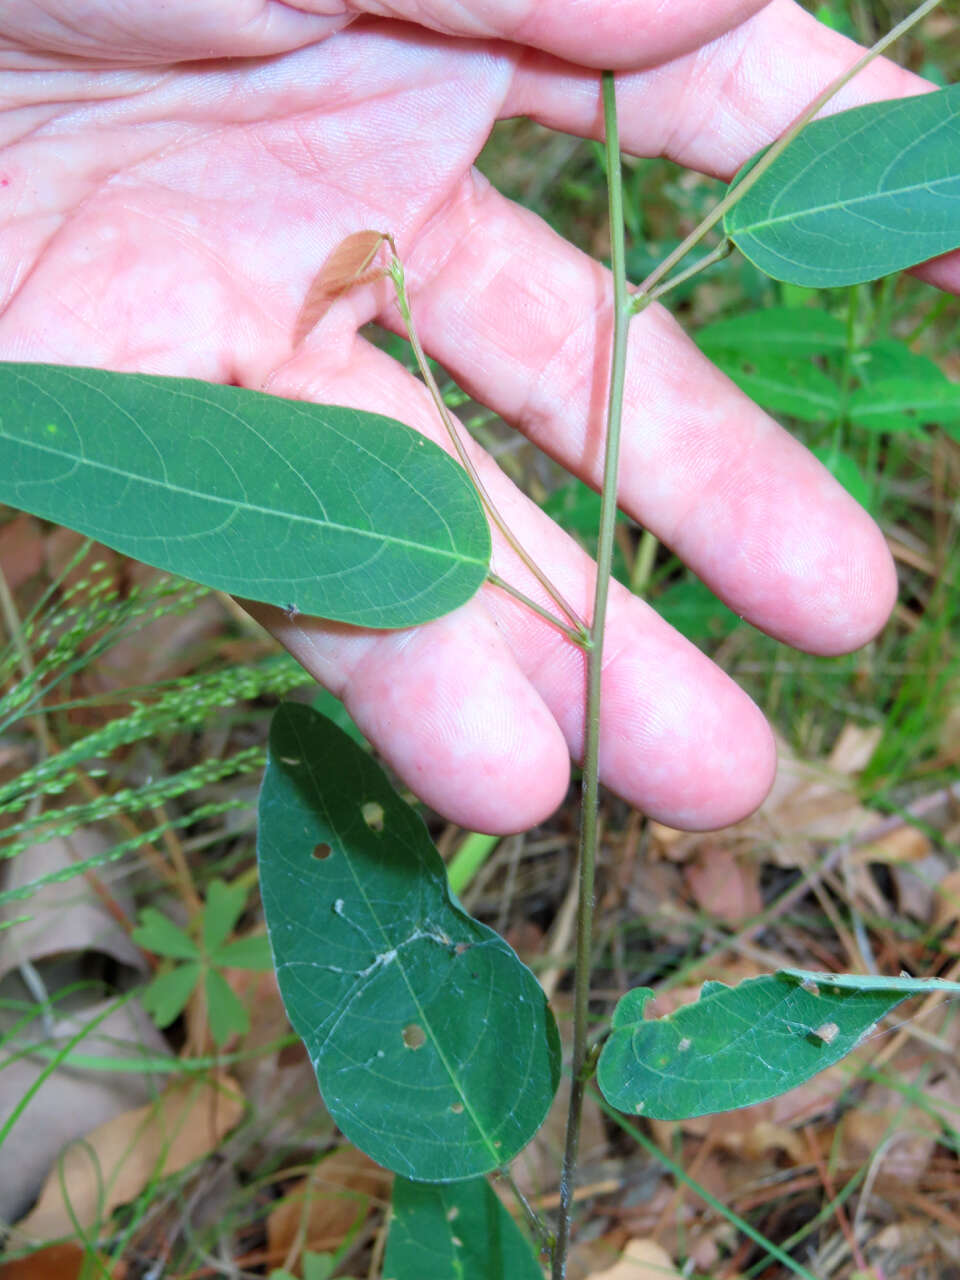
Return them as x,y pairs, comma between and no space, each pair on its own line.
857,195
794,387
888,359
905,404
740,1045
781,331
433,1045
459,1232
337,513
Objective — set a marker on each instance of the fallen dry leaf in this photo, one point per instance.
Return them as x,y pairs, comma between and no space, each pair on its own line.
68,933
72,1101
58,1262
118,1159
325,1206
724,886
641,1260
64,917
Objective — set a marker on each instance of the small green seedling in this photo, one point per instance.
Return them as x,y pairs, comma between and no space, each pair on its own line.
201,961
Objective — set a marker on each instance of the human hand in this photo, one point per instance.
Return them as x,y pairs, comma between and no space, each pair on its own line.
164,214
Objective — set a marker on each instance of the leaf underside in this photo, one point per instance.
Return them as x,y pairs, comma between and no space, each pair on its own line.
458,1232
433,1045
739,1045
338,513
857,195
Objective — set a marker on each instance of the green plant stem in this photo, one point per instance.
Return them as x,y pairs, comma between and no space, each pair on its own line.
591,771
577,637
474,850
735,194
846,373
535,1223
723,250
643,563
58,1057
399,281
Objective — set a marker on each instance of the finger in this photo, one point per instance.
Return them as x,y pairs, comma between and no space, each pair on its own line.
478,711
715,108
522,320
447,707
34,36
604,33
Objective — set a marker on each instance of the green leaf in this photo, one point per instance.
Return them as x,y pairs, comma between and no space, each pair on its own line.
334,512
888,358
165,997
857,195
576,507
246,953
223,908
905,984
331,707
737,1045
905,404
794,387
158,934
846,469
225,1009
459,1232
433,1045
318,1266
695,611
837,19
780,331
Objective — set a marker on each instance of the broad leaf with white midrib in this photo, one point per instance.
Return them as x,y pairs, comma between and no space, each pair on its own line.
458,1232
858,195
740,1045
433,1045
342,514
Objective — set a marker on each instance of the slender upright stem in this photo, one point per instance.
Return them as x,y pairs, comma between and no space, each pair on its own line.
591,770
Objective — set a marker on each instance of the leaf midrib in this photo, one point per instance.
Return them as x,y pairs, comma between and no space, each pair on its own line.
169,487
454,1076
752,227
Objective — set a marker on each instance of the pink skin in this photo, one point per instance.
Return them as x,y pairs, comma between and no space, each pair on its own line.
167,214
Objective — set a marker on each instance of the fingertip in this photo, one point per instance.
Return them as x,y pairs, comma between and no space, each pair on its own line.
680,740
452,714
858,593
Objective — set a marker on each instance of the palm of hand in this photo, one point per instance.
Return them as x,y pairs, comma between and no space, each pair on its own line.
171,222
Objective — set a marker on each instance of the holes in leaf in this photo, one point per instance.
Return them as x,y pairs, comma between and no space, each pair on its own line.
321,851
372,815
414,1036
